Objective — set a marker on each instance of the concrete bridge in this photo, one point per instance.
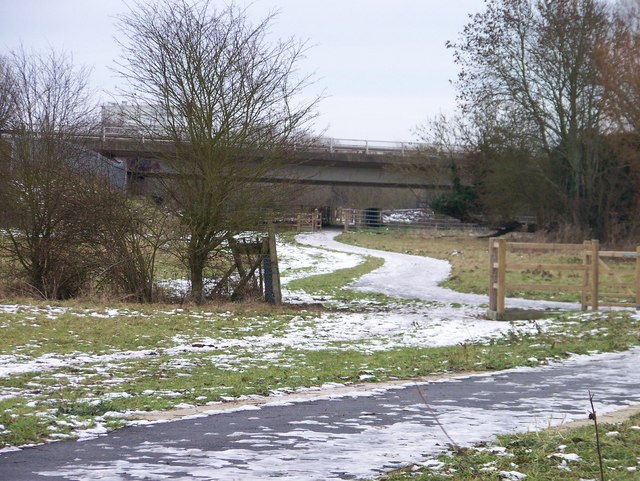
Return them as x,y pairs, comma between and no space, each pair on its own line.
326,161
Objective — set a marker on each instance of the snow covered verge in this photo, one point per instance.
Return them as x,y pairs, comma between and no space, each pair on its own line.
38,378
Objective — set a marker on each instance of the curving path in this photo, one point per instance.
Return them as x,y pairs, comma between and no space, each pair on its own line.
413,277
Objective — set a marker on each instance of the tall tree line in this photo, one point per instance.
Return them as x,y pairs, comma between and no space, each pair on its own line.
548,110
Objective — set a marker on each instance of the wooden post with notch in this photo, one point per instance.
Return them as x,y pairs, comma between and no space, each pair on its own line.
584,293
502,270
637,277
497,276
493,275
595,261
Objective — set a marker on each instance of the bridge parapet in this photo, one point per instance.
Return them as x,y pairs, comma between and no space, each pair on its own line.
320,144
363,146
322,161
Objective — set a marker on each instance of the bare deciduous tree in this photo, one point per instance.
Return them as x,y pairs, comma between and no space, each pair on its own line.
532,66
137,229
619,62
7,97
49,190
227,97
447,158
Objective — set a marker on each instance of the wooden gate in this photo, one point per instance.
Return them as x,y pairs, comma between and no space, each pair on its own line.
298,221
603,278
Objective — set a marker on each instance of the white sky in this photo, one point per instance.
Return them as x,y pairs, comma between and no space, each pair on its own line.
382,63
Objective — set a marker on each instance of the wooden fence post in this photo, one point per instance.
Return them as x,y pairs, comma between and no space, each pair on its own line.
493,275
584,294
275,268
638,278
346,216
502,269
497,275
273,293
595,261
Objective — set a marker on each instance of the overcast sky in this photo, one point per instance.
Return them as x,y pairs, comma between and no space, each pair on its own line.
381,63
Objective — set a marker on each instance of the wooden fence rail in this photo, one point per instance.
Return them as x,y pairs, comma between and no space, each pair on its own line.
598,276
356,219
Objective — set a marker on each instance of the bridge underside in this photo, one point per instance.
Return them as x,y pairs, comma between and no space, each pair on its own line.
354,176
411,170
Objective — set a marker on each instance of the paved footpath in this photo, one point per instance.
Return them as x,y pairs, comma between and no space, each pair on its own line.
351,436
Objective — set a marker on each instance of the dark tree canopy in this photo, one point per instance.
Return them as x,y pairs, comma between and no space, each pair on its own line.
531,84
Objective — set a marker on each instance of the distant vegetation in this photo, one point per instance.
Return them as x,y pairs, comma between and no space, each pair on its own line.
548,123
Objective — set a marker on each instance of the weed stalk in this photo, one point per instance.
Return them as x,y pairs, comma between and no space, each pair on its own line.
455,445
594,418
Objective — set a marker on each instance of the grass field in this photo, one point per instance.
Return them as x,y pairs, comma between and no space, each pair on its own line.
93,368
74,369
469,258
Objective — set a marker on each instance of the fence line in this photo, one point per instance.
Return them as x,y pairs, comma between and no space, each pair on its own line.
298,221
597,275
356,219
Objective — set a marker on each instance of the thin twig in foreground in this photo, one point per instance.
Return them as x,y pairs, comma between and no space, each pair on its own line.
455,445
594,418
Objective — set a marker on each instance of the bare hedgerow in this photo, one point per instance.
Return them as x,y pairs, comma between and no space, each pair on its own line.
138,229
48,193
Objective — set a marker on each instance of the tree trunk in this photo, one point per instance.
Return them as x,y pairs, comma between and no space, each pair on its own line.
197,261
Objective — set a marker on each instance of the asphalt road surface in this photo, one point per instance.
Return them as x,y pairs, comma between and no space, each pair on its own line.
350,436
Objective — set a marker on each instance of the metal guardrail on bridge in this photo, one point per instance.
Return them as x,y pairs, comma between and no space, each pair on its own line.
322,144
330,144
